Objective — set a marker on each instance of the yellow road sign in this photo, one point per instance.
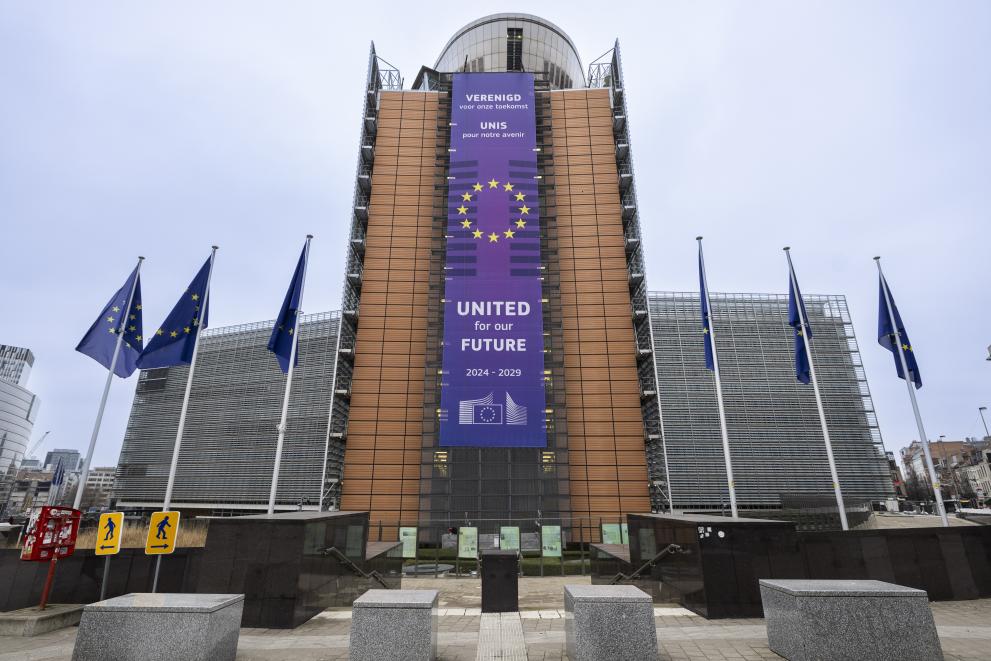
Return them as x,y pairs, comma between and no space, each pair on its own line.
162,533
109,533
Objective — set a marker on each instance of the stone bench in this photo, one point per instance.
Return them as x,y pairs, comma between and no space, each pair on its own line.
606,622
836,619
160,627
394,624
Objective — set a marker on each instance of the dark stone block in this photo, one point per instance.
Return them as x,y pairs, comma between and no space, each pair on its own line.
500,581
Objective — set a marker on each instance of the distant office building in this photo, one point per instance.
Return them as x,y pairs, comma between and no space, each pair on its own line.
976,474
29,489
15,364
98,488
775,437
945,455
228,447
18,412
71,459
33,464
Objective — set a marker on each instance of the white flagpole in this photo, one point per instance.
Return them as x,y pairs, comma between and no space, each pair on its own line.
803,322
719,388
106,392
285,399
933,477
185,405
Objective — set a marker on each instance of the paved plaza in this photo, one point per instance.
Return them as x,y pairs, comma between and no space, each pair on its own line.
964,630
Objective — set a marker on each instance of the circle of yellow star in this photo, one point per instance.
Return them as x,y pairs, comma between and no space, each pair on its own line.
477,234
493,183
186,329
196,297
466,197
462,210
507,187
477,186
173,334
509,234
524,209
521,223
493,238
519,197
159,332
466,223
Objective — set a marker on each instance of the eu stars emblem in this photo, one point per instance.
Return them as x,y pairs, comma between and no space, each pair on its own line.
516,221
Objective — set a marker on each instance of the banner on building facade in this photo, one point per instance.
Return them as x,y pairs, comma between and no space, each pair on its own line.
492,385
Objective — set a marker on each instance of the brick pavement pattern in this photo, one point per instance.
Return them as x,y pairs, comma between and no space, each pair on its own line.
964,629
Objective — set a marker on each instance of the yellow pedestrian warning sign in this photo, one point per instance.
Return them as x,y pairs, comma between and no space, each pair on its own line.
109,532
162,533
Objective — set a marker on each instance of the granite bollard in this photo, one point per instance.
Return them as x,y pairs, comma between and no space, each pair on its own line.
160,627
845,619
609,622
394,624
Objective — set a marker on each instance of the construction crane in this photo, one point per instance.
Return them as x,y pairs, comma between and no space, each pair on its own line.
37,444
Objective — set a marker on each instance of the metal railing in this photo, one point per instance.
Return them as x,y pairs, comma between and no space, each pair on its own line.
663,553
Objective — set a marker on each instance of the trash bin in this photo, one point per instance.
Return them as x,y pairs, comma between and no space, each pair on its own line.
500,581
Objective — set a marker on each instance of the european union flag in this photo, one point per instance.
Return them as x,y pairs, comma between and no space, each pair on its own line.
886,335
175,339
286,324
58,476
117,319
704,296
802,369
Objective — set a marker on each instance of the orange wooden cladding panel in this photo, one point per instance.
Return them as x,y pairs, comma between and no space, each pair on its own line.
382,456
608,471
605,427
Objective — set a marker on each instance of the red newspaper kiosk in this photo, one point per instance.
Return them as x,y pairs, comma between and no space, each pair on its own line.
49,537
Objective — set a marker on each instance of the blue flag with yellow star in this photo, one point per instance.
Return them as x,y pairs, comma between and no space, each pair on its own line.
175,339
116,318
286,323
802,369
886,335
710,363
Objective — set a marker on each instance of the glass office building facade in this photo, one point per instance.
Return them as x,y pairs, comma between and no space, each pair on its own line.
18,412
514,42
364,421
228,446
775,437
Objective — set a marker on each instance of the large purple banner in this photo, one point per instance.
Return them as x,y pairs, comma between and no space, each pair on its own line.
492,390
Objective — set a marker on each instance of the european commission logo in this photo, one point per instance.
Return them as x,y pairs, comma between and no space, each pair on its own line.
484,411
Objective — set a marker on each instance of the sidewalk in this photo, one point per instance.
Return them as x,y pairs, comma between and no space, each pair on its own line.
964,630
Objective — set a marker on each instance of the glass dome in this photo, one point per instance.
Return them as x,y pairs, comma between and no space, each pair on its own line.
514,42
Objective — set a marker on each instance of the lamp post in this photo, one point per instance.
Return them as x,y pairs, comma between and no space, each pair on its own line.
981,410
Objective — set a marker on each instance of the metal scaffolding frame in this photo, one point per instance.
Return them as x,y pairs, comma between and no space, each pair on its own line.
607,72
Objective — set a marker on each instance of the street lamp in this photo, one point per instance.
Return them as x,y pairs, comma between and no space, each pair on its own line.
981,410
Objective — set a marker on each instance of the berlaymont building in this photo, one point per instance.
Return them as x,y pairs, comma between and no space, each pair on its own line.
498,356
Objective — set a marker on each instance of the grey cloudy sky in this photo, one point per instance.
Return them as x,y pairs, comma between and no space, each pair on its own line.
845,129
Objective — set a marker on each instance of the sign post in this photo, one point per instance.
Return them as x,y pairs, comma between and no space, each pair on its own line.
109,532
52,536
